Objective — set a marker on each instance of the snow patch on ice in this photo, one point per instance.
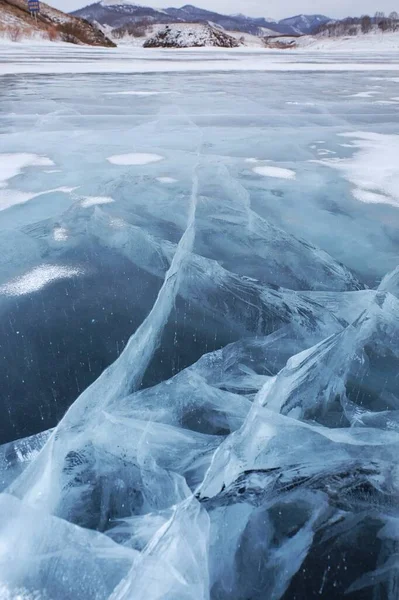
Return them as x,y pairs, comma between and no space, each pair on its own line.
60,234
96,201
138,93
166,179
38,278
9,198
22,594
371,197
374,168
13,164
301,103
364,94
386,102
277,172
117,223
134,159
324,152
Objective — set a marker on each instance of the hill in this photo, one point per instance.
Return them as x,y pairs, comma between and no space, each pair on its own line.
191,35
52,24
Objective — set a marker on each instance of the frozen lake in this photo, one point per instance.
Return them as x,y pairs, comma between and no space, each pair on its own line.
64,58
273,180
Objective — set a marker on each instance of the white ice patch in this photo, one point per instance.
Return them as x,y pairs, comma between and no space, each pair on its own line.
134,159
10,198
325,152
374,168
364,94
117,223
277,172
13,164
22,594
387,102
96,201
395,79
60,234
371,197
252,160
166,180
138,93
301,103
37,279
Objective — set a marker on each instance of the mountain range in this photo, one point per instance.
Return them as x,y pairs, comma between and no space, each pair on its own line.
119,13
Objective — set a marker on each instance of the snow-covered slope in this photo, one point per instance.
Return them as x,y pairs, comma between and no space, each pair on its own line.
52,24
369,42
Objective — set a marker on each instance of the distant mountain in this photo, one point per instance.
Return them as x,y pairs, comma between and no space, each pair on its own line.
119,13
304,24
242,23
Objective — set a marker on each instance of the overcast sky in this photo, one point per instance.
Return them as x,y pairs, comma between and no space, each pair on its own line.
277,9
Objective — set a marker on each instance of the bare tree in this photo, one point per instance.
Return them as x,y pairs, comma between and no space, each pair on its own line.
366,24
385,24
15,33
52,33
394,19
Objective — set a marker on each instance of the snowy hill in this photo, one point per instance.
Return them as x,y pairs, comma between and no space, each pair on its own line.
51,24
191,35
119,13
374,41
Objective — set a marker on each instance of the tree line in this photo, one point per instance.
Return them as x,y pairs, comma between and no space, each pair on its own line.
363,24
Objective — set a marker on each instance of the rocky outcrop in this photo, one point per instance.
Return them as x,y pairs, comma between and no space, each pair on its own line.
191,35
281,42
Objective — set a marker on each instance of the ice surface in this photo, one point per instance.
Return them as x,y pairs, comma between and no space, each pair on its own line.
200,349
48,557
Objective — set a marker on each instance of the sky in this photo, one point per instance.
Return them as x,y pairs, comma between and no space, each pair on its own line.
277,9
